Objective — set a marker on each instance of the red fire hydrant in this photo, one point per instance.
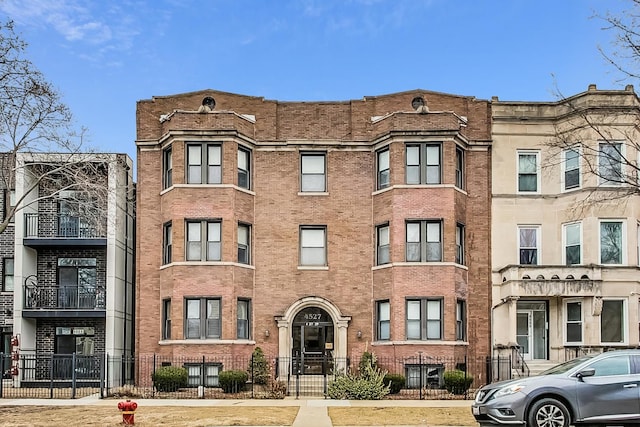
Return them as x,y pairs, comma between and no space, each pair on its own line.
128,410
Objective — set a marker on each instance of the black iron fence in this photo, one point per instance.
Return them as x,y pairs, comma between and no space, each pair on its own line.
218,377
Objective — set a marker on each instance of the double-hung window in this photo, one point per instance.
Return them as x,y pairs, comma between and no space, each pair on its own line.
7,275
528,171
383,168
167,239
423,163
461,320
612,321
244,168
244,315
383,314
459,168
611,245
382,247
529,244
313,245
460,244
313,172
204,164
573,313
166,319
196,377
424,241
572,243
424,319
244,243
199,249
202,318
571,165
167,168
610,163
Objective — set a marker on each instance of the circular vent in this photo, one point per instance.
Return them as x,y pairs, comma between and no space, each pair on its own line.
417,102
209,102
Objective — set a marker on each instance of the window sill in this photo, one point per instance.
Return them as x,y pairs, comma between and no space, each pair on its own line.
313,193
208,341
419,342
208,263
313,267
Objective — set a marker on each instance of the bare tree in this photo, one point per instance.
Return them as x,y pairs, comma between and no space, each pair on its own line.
34,120
599,132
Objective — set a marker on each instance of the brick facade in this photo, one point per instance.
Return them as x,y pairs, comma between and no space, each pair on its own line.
349,134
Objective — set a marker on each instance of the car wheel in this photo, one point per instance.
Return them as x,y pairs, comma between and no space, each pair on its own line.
548,413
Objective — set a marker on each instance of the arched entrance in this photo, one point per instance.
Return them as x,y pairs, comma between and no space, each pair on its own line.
312,329
313,341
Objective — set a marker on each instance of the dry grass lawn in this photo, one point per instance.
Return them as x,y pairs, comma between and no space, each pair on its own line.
174,416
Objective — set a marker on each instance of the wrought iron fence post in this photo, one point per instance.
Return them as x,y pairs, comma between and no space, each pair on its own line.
203,374
153,375
298,382
74,361
104,369
420,379
2,369
252,375
466,369
325,372
51,370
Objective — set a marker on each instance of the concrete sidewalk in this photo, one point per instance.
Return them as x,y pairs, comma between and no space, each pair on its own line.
312,412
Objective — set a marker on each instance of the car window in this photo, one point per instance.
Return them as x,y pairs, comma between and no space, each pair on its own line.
566,366
617,365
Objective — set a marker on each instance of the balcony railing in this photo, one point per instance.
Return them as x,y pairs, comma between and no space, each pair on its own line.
64,297
39,225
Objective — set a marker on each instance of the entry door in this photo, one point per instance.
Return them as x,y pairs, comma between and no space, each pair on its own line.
531,333
312,349
523,333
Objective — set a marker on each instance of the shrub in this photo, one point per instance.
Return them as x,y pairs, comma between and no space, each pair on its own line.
232,381
169,378
457,382
395,382
365,385
368,360
259,367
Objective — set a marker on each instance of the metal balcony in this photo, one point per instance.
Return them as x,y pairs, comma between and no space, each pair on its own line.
59,229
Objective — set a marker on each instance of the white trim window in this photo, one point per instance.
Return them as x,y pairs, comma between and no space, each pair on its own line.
573,331
613,319
313,172
460,244
612,242
424,319
383,168
610,155
244,168
199,250
572,243
460,168
244,243
528,171
202,318
383,311
313,246
382,246
571,169
529,244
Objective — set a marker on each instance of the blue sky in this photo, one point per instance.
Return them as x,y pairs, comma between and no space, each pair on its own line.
103,56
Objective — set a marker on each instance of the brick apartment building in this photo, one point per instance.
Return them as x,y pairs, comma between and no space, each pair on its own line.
313,229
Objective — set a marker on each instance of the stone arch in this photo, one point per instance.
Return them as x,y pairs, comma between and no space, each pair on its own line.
285,322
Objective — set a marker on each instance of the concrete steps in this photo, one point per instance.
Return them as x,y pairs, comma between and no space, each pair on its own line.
308,385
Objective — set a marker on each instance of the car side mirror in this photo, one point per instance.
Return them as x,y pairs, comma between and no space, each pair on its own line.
589,372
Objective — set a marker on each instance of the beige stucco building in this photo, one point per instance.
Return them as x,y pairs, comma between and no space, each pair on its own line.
564,225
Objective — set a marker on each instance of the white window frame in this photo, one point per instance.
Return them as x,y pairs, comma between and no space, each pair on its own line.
565,228
460,244
203,318
244,170
565,170
624,321
244,233
427,236
538,246
604,182
305,243
426,162
383,168
566,321
304,172
536,153
460,166
383,317
426,317
623,240
383,241
205,240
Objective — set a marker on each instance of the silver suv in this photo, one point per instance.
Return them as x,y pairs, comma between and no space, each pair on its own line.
601,389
